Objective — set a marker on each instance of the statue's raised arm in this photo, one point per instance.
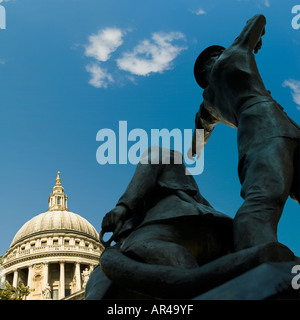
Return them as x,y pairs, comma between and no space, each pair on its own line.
252,33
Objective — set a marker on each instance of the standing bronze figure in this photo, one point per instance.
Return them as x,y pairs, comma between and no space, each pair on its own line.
268,140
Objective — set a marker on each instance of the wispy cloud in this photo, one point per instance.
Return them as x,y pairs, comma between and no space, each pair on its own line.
104,43
267,3
100,47
100,78
294,85
199,12
150,56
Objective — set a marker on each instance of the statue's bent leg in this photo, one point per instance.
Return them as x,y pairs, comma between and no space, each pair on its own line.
158,244
172,282
266,176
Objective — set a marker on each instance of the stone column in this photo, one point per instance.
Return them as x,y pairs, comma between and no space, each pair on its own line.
46,275
77,276
62,280
15,279
29,281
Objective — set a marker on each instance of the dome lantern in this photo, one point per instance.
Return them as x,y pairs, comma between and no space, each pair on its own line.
58,198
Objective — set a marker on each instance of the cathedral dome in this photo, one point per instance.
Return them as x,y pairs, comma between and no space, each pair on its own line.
55,221
54,252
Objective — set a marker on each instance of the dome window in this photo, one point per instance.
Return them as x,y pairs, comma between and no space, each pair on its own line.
44,243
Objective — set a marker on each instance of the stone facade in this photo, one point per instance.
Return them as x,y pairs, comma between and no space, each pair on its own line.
54,252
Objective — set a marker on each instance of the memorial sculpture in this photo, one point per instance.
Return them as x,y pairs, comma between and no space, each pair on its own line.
268,140
170,242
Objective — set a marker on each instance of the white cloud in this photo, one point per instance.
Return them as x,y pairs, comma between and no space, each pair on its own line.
267,3
149,56
100,78
199,12
155,55
104,43
100,47
294,85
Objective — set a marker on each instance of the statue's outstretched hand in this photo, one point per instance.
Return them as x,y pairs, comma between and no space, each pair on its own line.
259,43
258,46
112,222
113,217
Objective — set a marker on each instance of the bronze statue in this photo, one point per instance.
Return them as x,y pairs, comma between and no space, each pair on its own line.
170,242
166,219
268,140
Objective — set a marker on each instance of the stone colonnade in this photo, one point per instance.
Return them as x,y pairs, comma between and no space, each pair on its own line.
79,278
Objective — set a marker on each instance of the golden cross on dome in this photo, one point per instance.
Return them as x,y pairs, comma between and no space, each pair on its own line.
58,178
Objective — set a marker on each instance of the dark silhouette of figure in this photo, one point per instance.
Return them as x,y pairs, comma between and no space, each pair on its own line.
163,219
171,243
268,140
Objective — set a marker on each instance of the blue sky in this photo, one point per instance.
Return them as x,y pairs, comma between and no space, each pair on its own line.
71,68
